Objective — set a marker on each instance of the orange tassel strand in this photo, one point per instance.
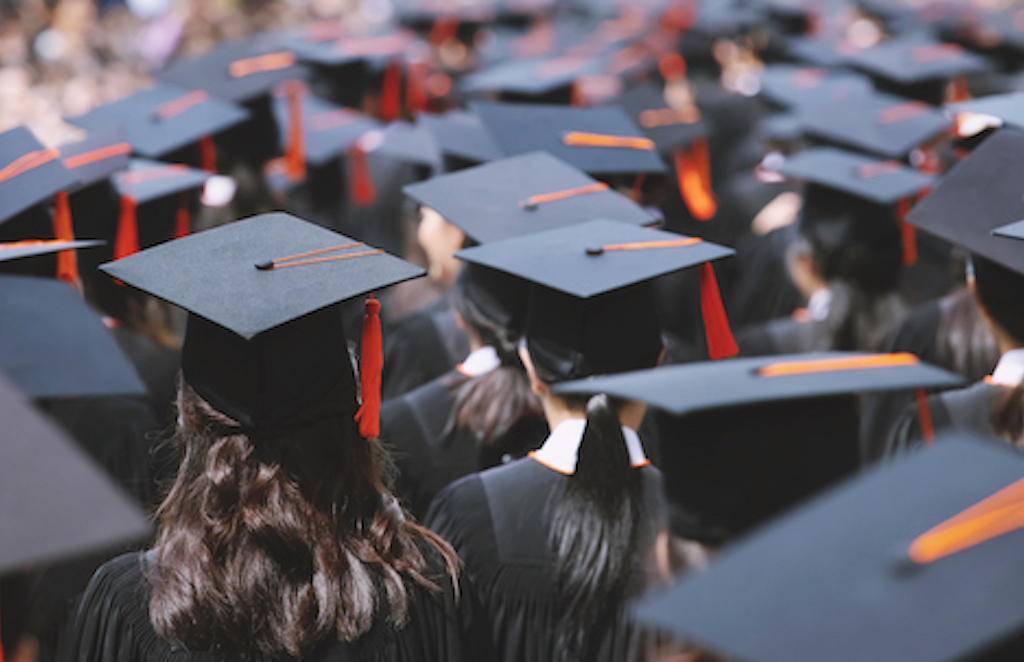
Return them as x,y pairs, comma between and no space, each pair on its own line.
183,219
127,241
371,367
391,92
693,171
295,150
361,187
721,344
63,229
208,154
909,233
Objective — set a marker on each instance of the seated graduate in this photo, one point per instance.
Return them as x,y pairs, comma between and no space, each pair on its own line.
971,208
279,538
845,256
476,416
555,543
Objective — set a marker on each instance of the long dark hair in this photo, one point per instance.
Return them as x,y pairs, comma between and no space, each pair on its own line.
490,405
1000,292
596,531
270,543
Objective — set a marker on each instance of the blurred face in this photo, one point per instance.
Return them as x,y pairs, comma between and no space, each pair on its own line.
440,241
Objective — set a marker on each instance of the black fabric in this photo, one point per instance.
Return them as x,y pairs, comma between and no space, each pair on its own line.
157,366
113,624
965,410
499,522
421,346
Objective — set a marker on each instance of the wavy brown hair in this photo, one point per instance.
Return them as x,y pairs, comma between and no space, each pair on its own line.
273,542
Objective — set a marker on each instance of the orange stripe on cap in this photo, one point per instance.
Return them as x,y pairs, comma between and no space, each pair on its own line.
996,515
391,44
560,66
25,243
878,169
175,107
659,117
140,176
261,64
835,365
808,79
534,200
27,162
936,52
584,139
902,112
644,245
97,155
332,119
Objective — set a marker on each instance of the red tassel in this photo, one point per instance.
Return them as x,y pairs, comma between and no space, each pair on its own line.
693,170
416,87
183,221
371,367
925,414
63,228
909,233
391,92
295,149
721,344
127,241
208,154
360,183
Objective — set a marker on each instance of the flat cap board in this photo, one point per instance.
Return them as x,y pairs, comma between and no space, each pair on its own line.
213,273
832,580
54,502
559,259
981,194
681,389
882,182
15,250
375,49
406,142
792,86
912,59
1007,107
668,128
164,118
532,77
461,135
820,51
238,71
329,130
29,173
876,123
491,202
98,156
522,128
147,180
53,345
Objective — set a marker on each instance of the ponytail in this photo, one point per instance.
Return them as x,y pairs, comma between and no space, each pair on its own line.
595,531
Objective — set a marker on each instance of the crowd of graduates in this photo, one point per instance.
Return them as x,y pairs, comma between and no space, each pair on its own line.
513,330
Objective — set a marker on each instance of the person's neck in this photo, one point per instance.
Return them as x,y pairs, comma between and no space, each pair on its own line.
558,411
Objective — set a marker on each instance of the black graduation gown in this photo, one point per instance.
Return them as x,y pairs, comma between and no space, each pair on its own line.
499,522
113,625
421,346
968,409
430,452
157,366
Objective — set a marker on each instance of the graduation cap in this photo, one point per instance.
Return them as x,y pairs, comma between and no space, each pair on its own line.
594,311
824,51
790,86
598,141
264,340
549,78
977,204
875,123
166,118
1008,108
521,195
461,137
96,157
27,248
53,345
56,502
915,560
748,438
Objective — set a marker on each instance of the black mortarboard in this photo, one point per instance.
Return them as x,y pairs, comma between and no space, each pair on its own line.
851,576
594,310
341,49
98,156
238,71
534,77
882,182
408,143
461,136
1009,108
164,118
53,345
521,195
29,173
790,86
55,502
264,338
329,130
669,128
980,195
598,141
876,123
820,51
146,180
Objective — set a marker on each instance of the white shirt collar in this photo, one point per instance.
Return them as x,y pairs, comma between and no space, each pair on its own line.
1010,369
819,304
560,450
480,362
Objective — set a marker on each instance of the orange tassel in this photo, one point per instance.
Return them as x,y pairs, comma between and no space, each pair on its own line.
391,92
127,241
371,367
925,414
637,191
63,228
360,183
183,220
693,170
416,87
295,149
208,154
719,338
909,233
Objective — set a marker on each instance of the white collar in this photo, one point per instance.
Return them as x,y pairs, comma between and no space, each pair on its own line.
560,450
1010,369
480,362
819,304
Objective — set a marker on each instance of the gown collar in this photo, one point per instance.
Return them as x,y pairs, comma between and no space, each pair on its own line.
1010,369
480,362
560,450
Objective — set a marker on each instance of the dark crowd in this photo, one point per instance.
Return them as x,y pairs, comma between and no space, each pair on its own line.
512,330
